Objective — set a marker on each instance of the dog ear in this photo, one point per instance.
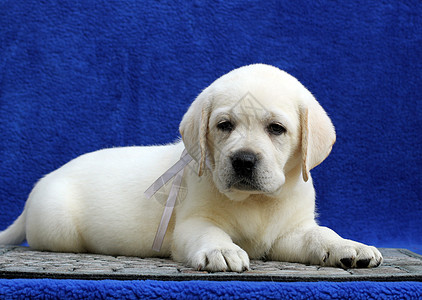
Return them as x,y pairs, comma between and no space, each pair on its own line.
194,129
318,135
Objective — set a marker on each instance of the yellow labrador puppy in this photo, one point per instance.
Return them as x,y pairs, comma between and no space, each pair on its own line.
254,135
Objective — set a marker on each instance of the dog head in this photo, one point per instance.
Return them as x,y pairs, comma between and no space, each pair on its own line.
253,126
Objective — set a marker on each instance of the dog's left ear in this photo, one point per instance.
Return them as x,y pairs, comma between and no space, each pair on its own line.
194,129
318,134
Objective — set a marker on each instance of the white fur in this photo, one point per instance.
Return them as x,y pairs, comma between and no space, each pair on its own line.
95,203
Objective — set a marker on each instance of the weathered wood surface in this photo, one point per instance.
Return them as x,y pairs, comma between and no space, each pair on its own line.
20,262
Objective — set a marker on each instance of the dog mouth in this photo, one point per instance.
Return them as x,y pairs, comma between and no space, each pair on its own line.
239,189
245,184
259,184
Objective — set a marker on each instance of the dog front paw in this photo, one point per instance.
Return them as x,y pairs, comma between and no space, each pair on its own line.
228,258
349,254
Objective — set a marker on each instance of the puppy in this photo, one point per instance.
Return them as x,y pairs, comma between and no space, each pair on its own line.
254,134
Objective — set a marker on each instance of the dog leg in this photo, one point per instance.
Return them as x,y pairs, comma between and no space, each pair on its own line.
202,245
322,246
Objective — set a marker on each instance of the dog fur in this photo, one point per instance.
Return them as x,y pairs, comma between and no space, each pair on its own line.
255,134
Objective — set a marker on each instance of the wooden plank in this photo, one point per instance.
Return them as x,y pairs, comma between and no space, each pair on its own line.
21,262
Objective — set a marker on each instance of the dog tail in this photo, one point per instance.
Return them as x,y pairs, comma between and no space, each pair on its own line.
15,234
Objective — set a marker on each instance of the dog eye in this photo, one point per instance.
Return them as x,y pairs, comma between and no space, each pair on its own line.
225,126
276,129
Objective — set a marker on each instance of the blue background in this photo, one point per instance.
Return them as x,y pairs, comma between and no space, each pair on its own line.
77,76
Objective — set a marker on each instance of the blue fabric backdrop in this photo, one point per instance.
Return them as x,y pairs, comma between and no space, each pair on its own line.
150,289
77,76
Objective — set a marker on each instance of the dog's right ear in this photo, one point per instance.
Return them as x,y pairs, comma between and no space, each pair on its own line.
194,129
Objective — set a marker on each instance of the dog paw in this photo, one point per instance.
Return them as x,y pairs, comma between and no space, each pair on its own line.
229,258
349,254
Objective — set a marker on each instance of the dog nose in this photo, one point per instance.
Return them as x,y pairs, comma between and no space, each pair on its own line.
244,163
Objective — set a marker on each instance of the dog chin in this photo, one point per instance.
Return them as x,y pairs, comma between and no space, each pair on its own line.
237,195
